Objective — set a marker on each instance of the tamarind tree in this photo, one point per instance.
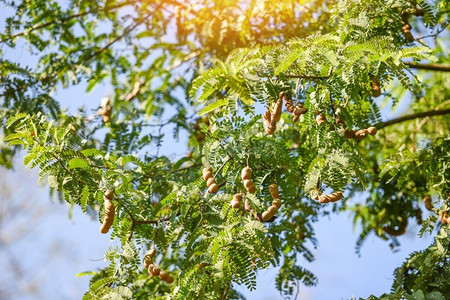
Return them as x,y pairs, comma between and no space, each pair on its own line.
252,184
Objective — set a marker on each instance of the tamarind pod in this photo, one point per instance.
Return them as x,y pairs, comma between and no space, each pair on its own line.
147,261
169,279
406,27
408,35
163,275
277,202
249,186
237,197
247,205
376,91
418,216
151,253
272,210
289,105
295,118
207,175
155,270
300,111
109,194
324,198
372,130
405,15
246,173
235,203
202,265
109,216
418,12
350,134
277,109
320,119
360,134
400,230
146,265
269,128
336,196
210,181
266,216
428,203
273,189
213,188
209,169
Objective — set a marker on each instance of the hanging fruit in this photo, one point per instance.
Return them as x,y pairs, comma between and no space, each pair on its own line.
109,212
210,182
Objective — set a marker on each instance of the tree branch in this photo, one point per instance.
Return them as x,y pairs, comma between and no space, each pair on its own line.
412,117
430,67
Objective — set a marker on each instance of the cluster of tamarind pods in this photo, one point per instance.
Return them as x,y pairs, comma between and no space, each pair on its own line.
210,181
297,110
153,269
406,29
109,211
276,203
270,118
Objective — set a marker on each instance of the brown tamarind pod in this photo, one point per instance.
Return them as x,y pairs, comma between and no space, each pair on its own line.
249,186
207,175
208,169
445,218
408,35
372,130
210,181
360,135
109,216
169,279
336,196
163,275
269,128
109,194
375,86
246,173
150,254
272,210
289,105
277,202
324,198
266,216
202,265
350,134
405,15
400,230
418,213
235,203
273,189
277,109
406,27
321,119
213,188
154,269
428,203
247,205
418,12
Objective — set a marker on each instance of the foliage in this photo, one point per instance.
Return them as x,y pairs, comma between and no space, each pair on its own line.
169,61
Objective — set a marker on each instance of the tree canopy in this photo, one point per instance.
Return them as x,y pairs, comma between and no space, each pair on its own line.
277,104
